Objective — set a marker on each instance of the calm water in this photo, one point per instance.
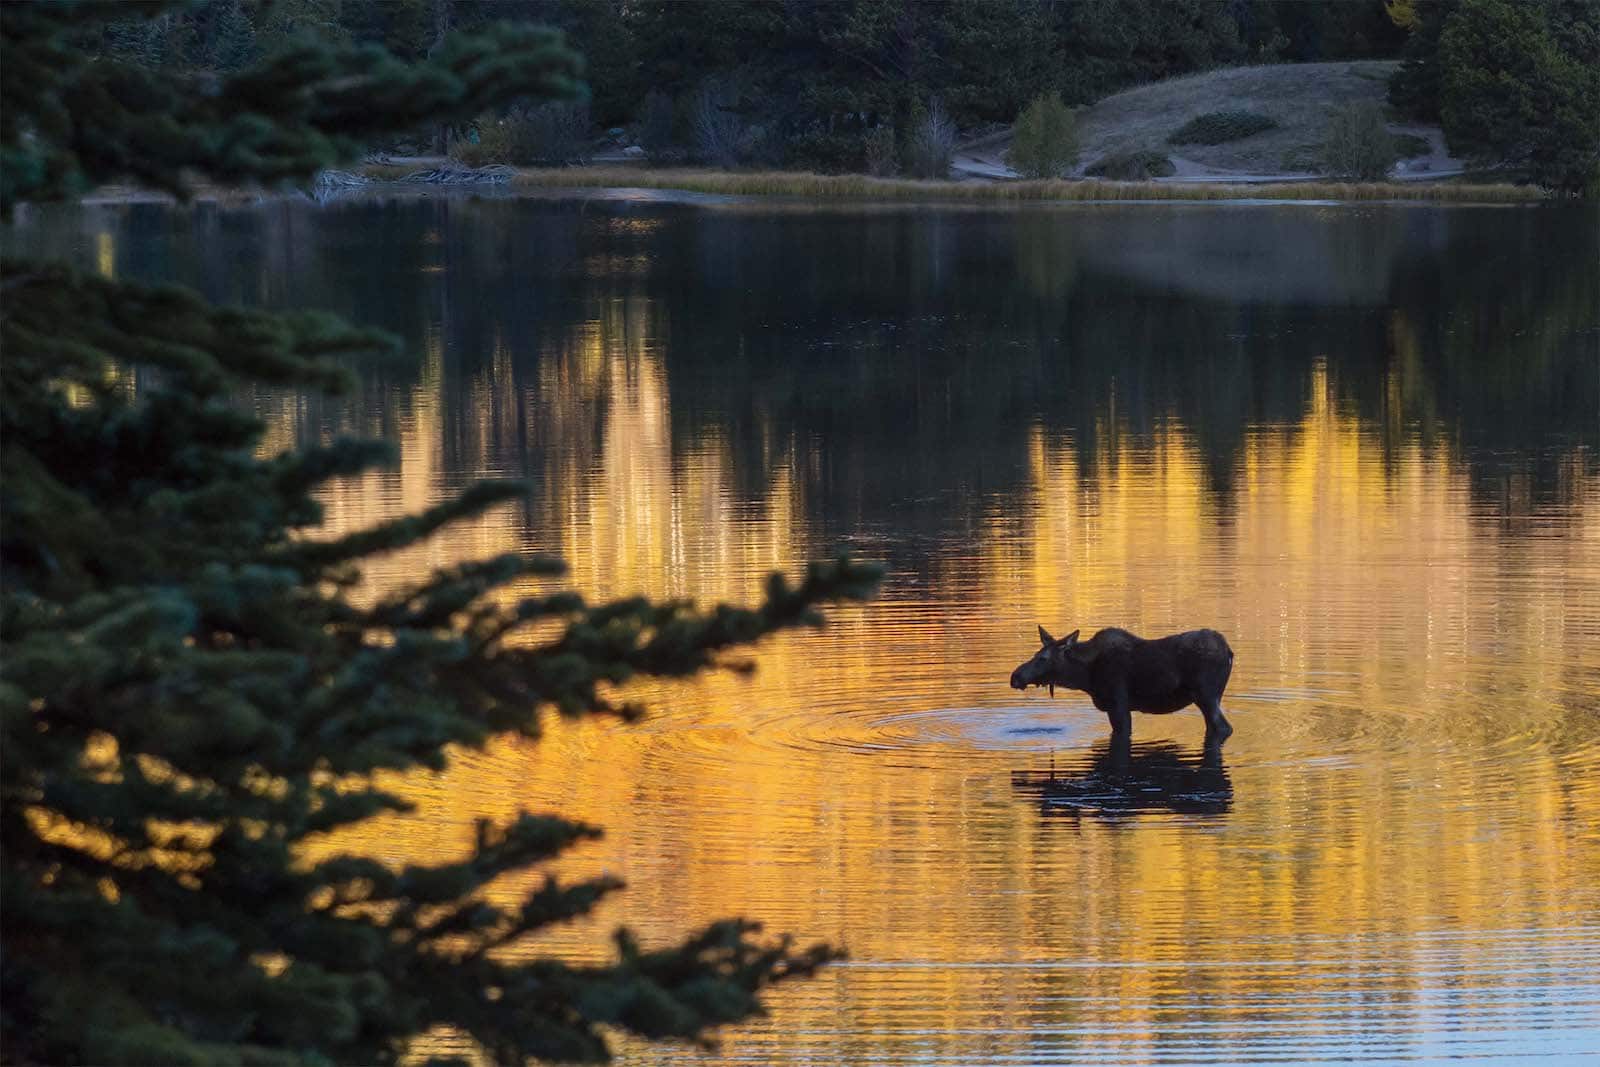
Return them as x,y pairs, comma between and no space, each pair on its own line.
1363,442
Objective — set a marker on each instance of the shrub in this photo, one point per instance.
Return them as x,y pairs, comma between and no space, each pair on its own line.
932,143
816,148
487,144
1045,140
555,133
1136,166
719,133
880,155
659,130
552,134
1358,145
1219,127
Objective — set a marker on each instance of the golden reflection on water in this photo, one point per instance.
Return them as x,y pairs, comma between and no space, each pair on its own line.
1406,856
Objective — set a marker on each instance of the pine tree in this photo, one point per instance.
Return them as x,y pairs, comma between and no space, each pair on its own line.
187,693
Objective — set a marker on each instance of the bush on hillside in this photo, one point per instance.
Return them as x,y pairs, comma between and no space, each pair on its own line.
1136,166
1045,140
1358,145
1220,127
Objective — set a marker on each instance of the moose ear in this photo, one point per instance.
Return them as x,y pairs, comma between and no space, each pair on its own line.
1044,637
1070,640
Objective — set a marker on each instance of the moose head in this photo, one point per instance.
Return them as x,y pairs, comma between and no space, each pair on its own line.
1054,664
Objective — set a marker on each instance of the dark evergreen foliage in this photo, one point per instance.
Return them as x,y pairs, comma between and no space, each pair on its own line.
1219,127
1513,84
187,694
1520,85
1136,166
818,78
1414,89
71,118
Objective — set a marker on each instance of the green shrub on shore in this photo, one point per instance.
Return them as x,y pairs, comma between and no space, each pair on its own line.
1220,127
554,133
1359,146
1044,142
1140,165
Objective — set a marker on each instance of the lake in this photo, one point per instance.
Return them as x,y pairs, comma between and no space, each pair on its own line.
1361,441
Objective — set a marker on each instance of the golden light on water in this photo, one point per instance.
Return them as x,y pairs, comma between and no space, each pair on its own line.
1400,783
1397,854
105,254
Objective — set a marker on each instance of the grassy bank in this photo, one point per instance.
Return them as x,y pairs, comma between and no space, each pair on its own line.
1301,98
862,187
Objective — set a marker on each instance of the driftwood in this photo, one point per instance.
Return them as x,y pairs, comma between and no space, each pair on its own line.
339,179
494,174
332,184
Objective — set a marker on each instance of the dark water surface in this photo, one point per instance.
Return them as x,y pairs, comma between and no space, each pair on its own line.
1363,442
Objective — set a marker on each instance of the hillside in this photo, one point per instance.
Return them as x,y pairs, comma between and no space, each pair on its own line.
1299,97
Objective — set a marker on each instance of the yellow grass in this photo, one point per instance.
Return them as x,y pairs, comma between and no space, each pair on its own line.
384,172
862,187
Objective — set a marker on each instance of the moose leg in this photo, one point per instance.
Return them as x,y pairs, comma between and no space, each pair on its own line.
1217,728
1121,721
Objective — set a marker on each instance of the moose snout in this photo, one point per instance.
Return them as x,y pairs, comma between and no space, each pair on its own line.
1017,680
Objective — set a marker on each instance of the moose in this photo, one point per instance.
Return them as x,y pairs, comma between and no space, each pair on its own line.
1123,673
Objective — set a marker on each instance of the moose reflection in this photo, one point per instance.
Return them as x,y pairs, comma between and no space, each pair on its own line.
1123,780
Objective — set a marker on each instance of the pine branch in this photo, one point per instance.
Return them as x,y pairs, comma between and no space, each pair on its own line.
72,122
186,694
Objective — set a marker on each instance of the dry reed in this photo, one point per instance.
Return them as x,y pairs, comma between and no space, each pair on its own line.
863,187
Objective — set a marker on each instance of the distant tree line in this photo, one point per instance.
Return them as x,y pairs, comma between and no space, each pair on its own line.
808,82
877,85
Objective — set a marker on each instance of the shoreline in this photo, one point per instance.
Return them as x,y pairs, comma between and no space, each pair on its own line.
381,178
864,187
